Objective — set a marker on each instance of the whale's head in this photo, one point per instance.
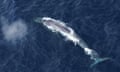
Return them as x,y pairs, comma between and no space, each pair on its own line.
38,20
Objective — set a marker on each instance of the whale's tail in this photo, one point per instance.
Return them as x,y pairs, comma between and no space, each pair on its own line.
97,61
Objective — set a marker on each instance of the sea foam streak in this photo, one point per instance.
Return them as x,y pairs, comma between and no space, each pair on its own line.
66,31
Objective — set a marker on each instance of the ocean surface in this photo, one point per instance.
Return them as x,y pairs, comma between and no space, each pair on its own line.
97,22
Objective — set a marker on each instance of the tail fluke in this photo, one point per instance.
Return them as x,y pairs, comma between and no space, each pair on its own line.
94,56
97,61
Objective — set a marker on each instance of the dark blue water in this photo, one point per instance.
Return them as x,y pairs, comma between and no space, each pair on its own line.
96,21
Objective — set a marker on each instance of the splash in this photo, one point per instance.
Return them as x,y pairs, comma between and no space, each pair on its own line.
60,27
17,30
